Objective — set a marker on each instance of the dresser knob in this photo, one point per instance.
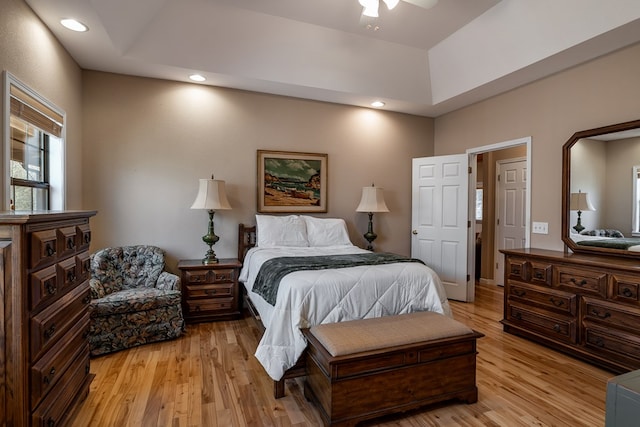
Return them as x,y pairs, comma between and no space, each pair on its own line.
556,327
580,283
519,292
51,288
556,302
49,332
49,250
71,243
627,292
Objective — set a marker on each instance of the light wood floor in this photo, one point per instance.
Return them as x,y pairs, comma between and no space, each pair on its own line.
209,377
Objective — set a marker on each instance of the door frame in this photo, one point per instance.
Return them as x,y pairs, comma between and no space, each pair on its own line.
473,163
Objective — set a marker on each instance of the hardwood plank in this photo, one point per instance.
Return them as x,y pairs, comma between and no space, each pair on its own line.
209,377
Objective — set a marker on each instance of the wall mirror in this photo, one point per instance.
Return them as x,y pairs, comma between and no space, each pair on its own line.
601,190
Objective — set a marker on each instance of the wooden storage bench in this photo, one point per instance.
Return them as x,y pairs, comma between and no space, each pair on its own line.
363,369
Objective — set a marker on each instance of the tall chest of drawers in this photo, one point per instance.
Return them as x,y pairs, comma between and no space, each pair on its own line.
44,294
585,305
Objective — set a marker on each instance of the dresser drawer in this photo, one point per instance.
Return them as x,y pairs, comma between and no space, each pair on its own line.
613,345
211,276
46,372
196,307
54,410
516,268
625,288
613,315
539,273
52,323
551,325
83,266
582,281
83,237
43,248
210,291
44,287
66,241
557,300
67,273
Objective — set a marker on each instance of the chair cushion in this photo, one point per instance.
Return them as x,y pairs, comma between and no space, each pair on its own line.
127,267
132,300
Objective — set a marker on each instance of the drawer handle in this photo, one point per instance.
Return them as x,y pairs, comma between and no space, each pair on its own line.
49,250
71,243
49,332
556,302
600,315
627,292
519,292
51,422
47,379
599,342
87,237
51,288
580,283
538,275
196,308
71,275
211,292
515,270
86,265
518,315
87,299
556,327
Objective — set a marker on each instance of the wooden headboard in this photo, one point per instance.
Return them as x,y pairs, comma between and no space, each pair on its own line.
246,240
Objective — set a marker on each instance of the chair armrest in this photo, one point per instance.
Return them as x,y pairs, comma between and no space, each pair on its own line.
96,289
168,281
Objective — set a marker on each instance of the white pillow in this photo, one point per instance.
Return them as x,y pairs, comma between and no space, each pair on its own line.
326,231
273,231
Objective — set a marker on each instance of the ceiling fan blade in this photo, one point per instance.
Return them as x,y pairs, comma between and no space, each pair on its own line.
425,4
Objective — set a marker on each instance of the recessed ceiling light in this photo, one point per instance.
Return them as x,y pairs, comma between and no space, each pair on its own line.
74,25
377,104
197,78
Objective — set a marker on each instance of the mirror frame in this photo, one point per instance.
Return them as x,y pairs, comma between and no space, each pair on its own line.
566,188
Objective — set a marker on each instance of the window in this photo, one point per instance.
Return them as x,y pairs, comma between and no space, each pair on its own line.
479,202
35,167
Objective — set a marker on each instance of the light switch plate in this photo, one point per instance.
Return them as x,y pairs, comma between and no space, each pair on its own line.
540,228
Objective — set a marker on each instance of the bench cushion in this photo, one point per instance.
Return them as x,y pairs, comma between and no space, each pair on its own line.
361,335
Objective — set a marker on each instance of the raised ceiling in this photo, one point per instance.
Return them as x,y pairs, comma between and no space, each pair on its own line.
421,61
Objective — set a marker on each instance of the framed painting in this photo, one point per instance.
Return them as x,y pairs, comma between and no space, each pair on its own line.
292,182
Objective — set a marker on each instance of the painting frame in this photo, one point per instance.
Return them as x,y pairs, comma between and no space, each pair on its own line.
292,182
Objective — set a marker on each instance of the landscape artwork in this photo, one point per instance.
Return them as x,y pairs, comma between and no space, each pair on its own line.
292,182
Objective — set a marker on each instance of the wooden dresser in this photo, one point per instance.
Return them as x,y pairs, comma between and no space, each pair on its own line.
210,291
584,305
44,295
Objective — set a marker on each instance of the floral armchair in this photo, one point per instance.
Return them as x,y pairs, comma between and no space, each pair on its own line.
133,300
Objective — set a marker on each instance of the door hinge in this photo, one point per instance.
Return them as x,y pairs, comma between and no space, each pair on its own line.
468,224
498,177
497,266
468,277
469,170
498,221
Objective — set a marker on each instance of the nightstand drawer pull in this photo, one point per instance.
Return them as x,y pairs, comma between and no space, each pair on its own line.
556,327
538,275
210,292
597,313
519,292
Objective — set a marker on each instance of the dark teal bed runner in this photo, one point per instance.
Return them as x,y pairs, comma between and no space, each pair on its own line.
621,243
272,271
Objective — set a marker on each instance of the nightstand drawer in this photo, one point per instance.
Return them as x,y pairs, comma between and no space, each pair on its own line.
209,291
196,307
226,275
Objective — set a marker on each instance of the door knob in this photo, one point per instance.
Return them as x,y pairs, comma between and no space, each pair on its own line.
414,232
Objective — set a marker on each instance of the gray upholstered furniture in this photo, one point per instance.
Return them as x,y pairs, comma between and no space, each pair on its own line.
133,300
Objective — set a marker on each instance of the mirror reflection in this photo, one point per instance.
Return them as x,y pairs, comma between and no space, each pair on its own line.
604,191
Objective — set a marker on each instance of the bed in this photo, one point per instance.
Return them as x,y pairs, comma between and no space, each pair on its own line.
610,239
325,294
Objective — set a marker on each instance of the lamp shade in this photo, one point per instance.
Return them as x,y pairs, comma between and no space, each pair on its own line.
580,202
372,200
211,196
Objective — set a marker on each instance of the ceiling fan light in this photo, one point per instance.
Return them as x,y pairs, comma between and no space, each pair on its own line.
368,3
391,3
371,11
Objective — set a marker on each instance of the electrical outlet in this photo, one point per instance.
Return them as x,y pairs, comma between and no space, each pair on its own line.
540,228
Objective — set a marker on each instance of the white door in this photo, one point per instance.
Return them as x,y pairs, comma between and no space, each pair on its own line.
511,184
439,220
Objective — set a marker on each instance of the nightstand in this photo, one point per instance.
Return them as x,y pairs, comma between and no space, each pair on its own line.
210,291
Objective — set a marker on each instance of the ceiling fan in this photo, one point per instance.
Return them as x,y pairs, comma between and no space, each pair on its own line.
371,6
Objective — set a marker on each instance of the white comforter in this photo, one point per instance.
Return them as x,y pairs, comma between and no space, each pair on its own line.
307,298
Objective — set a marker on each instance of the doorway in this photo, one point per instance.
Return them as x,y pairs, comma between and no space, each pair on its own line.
484,161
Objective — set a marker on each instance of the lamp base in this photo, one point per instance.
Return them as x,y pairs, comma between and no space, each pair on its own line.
210,239
578,227
370,235
210,258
